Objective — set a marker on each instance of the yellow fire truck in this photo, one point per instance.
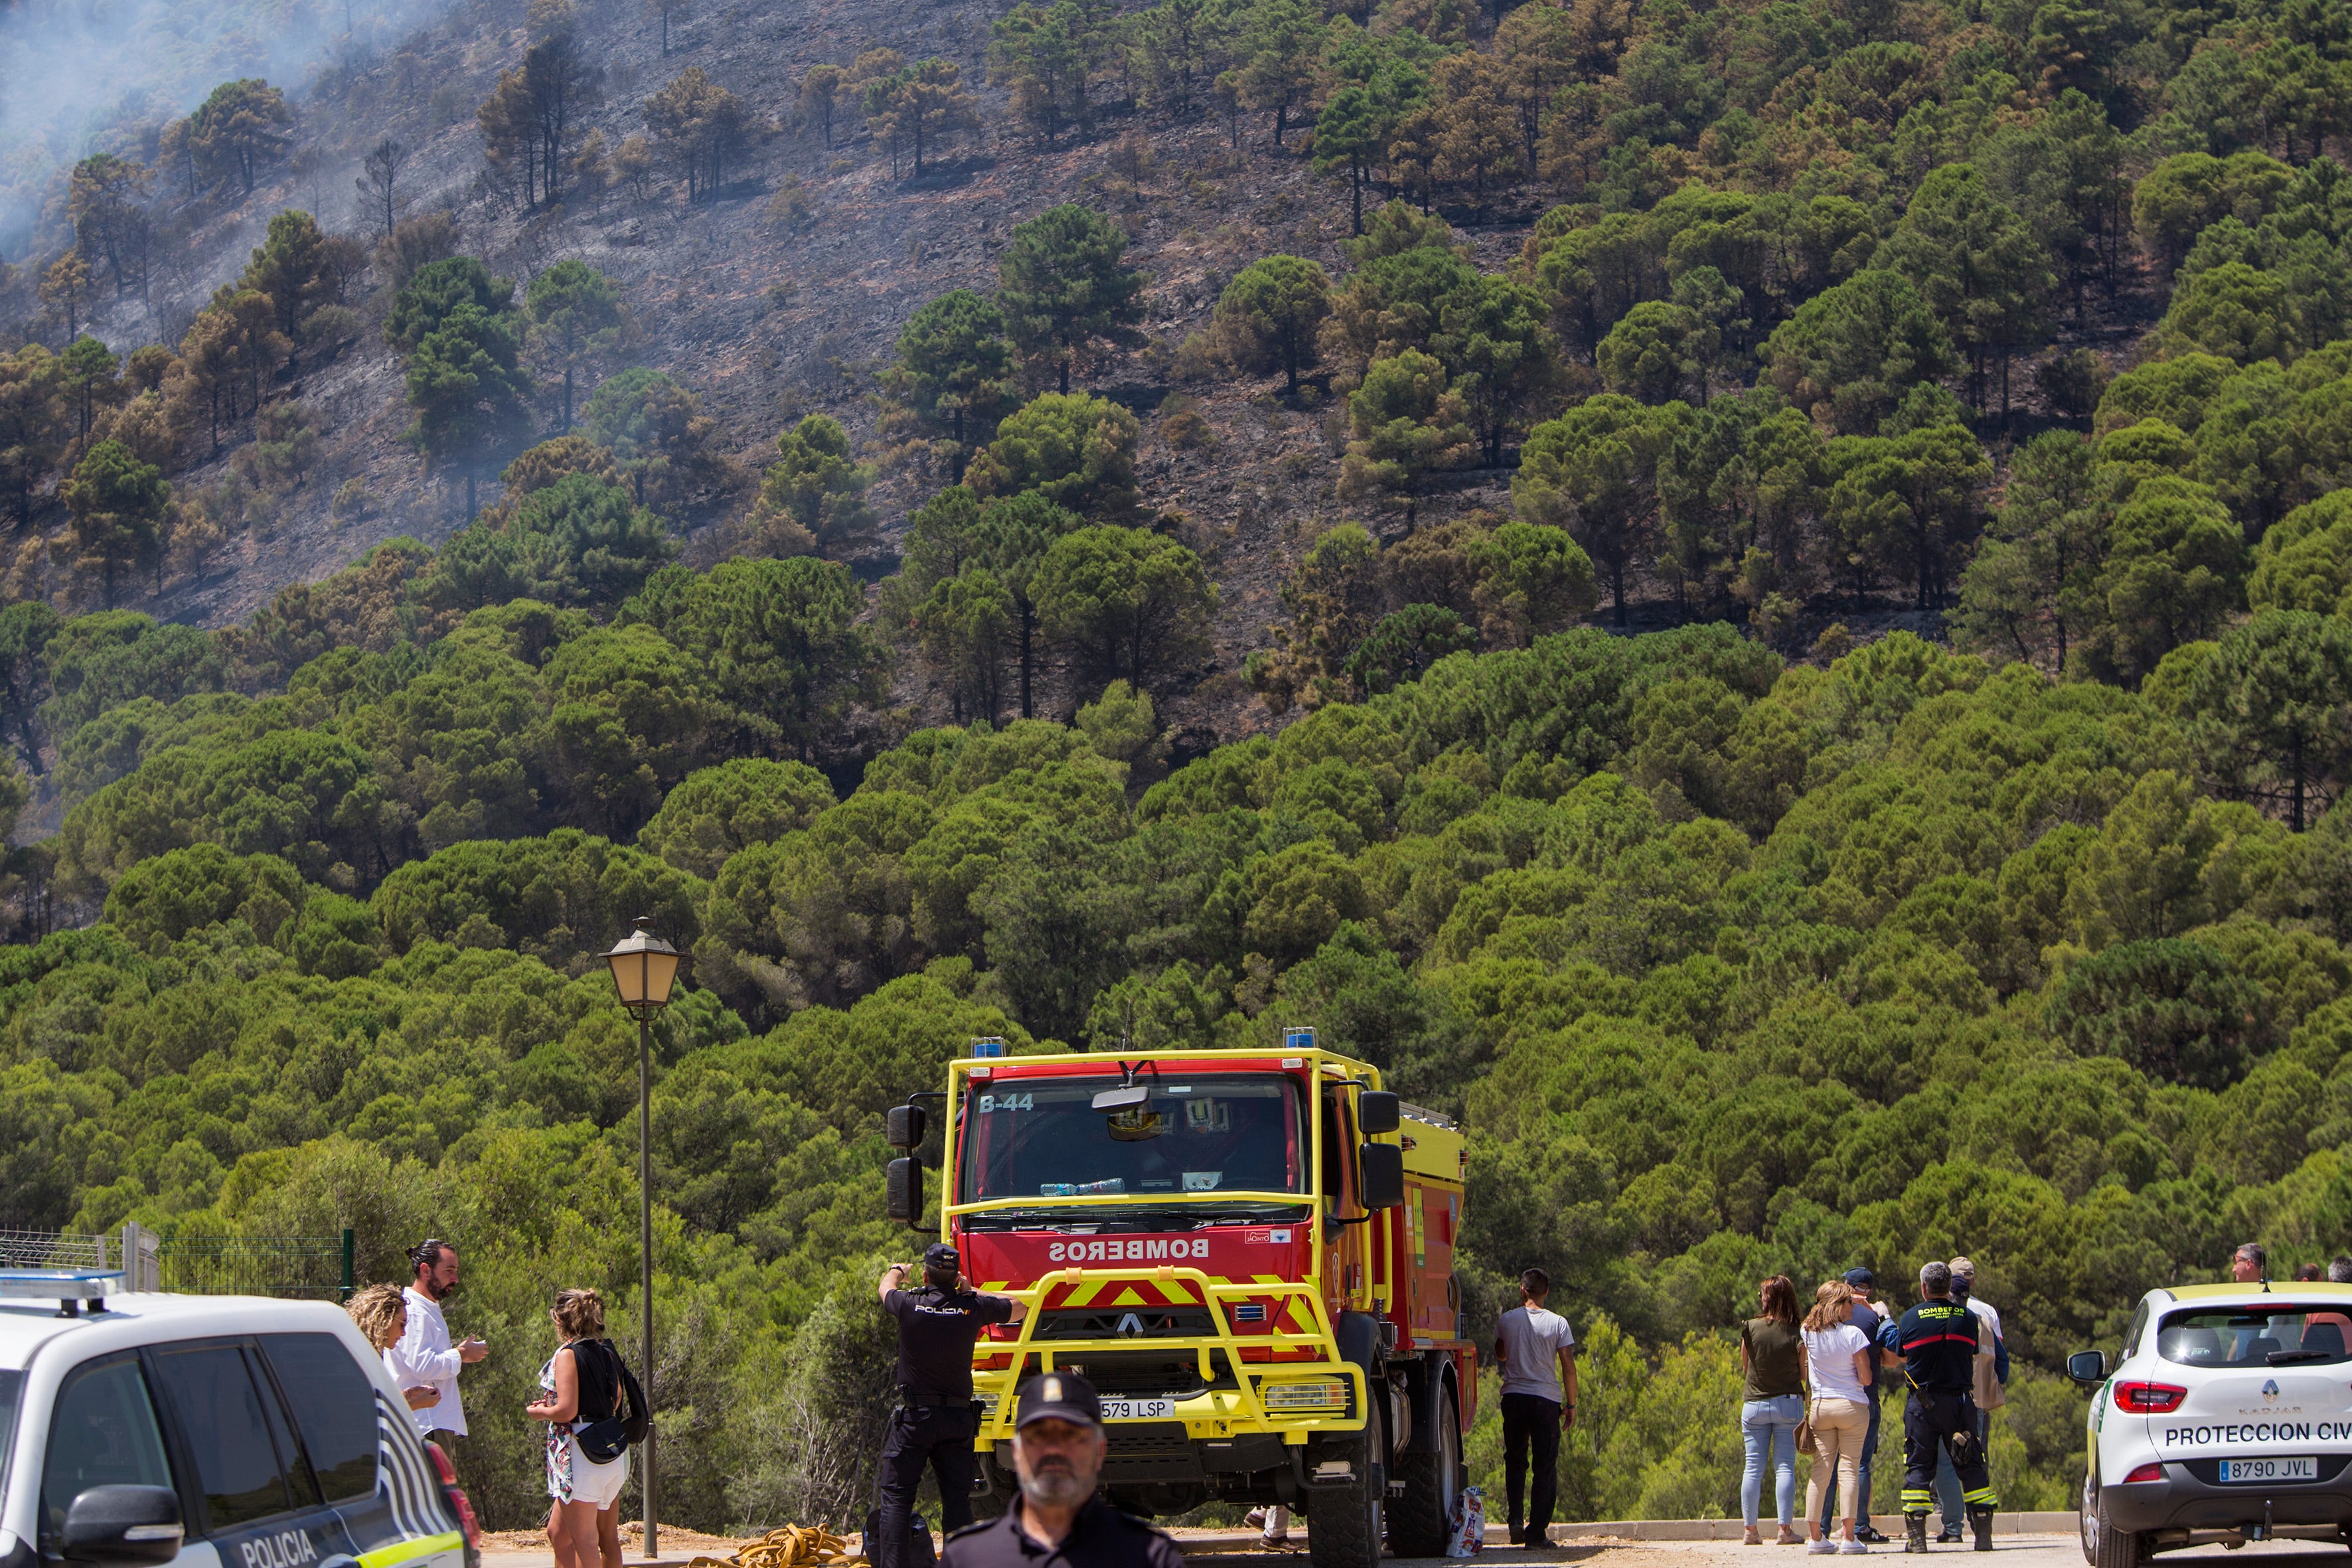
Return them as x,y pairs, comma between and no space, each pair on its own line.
1250,1254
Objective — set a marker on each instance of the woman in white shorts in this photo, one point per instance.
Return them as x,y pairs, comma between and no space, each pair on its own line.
580,1385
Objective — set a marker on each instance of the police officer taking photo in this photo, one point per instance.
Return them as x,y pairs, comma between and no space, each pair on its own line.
1938,1341
1059,1521
935,1422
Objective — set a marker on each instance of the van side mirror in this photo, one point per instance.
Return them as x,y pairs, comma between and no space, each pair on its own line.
1378,1110
118,1526
904,1182
903,1126
1379,1183
2088,1368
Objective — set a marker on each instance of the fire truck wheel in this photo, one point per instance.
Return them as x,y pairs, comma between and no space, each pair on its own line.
1423,1519
1343,1523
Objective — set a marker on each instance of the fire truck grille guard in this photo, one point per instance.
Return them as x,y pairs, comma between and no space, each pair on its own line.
1123,1360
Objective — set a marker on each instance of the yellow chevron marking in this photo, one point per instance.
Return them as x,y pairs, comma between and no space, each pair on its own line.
1084,1295
403,1551
1128,1297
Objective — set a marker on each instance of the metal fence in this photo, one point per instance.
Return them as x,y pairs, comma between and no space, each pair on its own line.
58,1249
319,1267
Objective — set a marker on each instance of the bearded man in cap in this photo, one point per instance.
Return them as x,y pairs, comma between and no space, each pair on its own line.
935,1423
1059,1521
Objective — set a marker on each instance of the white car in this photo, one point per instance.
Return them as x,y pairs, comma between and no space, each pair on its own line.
208,1432
2228,1417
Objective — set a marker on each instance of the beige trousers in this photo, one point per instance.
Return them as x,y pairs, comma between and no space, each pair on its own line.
1839,1427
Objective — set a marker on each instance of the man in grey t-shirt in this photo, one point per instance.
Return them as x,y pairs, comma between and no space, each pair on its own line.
1538,1403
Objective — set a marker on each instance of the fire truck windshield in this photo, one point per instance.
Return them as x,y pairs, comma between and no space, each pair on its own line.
1197,1135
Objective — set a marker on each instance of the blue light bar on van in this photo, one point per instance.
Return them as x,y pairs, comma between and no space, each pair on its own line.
1298,1039
63,1286
993,1045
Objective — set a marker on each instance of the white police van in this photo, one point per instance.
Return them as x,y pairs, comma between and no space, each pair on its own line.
2227,1417
208,1432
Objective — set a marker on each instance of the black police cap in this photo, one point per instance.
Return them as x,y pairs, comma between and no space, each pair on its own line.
1060,1397
940,1256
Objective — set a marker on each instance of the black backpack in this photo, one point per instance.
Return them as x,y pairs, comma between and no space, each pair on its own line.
606,1440
919,1540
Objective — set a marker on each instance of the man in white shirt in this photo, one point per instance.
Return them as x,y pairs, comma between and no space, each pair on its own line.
1538,1403
424,1356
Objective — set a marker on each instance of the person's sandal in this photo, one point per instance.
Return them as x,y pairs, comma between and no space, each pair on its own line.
1789,1538
1752,1539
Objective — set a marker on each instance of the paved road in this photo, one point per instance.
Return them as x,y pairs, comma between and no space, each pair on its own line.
2009,1551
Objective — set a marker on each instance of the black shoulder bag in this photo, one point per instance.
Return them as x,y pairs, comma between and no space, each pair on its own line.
604,1441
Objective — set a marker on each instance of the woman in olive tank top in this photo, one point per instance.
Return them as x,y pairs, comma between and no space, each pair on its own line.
1772,1354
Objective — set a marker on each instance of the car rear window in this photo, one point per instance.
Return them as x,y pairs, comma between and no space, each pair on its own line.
334,1405
2306,1334
243,1472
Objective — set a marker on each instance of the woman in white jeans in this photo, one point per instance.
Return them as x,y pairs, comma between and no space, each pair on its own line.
1837,1363
581,1492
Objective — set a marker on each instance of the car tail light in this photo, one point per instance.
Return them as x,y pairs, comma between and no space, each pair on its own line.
2149,1398
467,1522
2146,1473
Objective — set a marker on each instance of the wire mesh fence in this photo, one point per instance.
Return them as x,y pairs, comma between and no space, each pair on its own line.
318,1268
314,1267
58,1249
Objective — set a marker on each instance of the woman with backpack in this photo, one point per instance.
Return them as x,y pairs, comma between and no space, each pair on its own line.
582,1388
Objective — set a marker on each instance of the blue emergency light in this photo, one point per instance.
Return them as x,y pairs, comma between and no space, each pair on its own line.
1298,1039
64,1286
993,1045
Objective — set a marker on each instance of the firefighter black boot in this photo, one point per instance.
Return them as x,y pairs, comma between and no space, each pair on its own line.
1980,1522
1915,1532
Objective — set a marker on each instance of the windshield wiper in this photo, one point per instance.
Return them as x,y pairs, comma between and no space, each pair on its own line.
2290,1358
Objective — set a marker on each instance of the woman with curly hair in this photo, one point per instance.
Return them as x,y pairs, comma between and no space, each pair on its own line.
381,1313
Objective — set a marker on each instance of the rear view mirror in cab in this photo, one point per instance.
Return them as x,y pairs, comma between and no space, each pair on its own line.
1380,1181
118,1526
903,1126
1377,1110
2088,1367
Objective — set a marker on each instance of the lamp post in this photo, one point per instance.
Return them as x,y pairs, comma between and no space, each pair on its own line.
642,969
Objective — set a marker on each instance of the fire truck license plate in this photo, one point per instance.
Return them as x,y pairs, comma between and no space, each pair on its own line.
1138,1407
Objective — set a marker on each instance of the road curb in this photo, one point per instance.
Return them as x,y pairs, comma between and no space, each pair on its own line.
1732,1529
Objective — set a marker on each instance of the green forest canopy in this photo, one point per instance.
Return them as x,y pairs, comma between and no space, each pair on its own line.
1731,967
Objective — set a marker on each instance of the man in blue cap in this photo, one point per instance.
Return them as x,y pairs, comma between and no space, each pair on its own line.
935,1423
1057,1520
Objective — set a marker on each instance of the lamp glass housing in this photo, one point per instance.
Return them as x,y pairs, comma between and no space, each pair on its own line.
644,967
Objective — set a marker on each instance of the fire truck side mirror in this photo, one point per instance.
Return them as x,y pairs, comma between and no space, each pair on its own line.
1377,1110
1380,1177
905,1182
903,1126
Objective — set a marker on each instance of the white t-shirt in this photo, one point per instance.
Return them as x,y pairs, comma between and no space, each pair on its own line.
1532,1339
1829,1356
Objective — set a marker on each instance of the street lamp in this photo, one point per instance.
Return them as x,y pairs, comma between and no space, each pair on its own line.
642,968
